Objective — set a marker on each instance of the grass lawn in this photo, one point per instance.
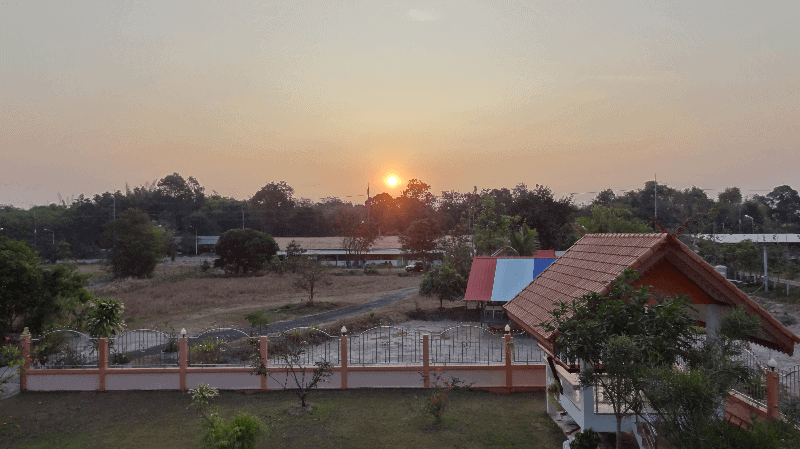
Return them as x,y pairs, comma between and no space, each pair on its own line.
341,419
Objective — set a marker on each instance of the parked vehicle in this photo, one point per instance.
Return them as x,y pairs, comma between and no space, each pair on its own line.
415,265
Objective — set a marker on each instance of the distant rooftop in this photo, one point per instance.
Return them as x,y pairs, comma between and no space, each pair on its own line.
756,238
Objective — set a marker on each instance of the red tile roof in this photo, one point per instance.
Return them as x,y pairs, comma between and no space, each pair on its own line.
597,259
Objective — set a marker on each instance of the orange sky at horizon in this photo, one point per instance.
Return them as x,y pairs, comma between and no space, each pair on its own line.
576,96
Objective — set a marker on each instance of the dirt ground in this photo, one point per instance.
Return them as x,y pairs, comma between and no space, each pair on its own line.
789,315
180,300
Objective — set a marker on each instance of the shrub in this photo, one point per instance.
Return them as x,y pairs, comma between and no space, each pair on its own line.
257,318
240,432
205,266
10,356
103,317
292,353
120,358
371,270
588,439
209,351
436,403
201,399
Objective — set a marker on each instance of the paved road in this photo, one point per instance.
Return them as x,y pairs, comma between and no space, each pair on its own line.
338,314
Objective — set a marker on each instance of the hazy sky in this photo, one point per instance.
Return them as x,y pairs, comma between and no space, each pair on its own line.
330,95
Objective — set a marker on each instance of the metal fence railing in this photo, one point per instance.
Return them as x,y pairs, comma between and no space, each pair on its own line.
222,347
756,388
143,348
64,349
315,345
790,384
526,349
384,345
466,344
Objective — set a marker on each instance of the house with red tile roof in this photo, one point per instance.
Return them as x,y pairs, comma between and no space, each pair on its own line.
662,262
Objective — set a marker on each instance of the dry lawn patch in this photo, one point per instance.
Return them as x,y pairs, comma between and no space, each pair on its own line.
200,303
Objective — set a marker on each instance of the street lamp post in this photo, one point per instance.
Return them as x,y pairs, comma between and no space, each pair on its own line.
195,239
54,242
752,223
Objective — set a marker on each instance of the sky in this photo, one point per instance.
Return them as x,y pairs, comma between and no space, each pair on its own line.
331,96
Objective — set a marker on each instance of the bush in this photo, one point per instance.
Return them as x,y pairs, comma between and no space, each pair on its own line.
103,317
240,432
588,439
257,318
9,356
371,270
209,351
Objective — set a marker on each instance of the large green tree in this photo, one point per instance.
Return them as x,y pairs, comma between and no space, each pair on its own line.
524,241
34,296
420,238
138,244
244,250
457,249
491,228
444,282
611,220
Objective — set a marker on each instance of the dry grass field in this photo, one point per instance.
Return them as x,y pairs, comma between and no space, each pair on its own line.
198,303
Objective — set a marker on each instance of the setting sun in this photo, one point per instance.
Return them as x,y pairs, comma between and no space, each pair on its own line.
391,180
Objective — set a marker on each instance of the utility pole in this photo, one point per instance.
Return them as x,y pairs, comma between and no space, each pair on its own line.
34,228
195,239
243,215
655,197
766,278
113,223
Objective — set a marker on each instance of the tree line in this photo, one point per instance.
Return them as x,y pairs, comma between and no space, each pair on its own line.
80,228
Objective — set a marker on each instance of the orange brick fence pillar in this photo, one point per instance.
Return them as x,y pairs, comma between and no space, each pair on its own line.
263,342
102,362
343,358
772,394
426,361
509,372
26,357
183,364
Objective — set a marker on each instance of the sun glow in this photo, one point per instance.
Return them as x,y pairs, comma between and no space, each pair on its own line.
392,181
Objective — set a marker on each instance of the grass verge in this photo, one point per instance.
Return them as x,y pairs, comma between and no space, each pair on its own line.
341,419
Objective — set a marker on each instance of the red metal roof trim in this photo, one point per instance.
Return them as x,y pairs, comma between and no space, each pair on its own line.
481,279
